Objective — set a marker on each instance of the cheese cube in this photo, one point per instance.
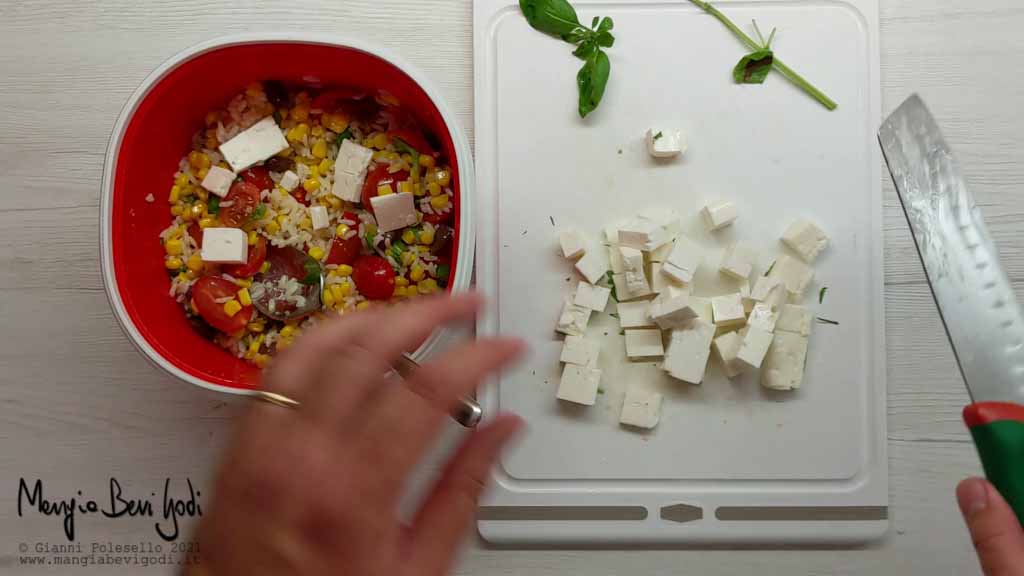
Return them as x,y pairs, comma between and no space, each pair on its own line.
289,181
794,319
669,220
726,347
579,384
806,239
394,211
634,314
348,187
661,254
672,312
218,181
573,320
718,216
641,409
661,283
611,231
739,262
633,270
683,261
254,145
573,243
783,367
728,310
643,234
702,306
594,264
321,219
644,343
350,171
763,317
615,261
794,274
769,290
755,345
225,246
580,351
592,297
665,143
622,289
688,352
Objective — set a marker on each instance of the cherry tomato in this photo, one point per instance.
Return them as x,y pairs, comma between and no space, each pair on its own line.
438,219
300,196
344,251
196,233
205,293
257,255
374,277
413,139
332,99
258,177
379,177
243,199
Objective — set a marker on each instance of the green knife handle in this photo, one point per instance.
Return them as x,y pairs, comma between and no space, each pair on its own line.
998,431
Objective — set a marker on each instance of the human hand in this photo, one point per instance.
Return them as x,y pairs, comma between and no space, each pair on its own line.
995,531
316,490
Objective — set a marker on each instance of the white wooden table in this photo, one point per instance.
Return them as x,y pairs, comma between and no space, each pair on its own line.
78,405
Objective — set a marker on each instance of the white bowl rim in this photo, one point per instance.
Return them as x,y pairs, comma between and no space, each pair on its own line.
467,232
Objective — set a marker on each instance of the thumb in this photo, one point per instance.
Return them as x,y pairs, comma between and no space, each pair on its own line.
994,528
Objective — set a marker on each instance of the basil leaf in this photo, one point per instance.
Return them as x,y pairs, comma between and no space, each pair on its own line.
259,213
214,206
606,24
313,272
591,81
605,39
585,50
554,17
346,135
754,67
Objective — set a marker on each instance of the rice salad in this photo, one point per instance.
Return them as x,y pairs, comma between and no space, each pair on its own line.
294,204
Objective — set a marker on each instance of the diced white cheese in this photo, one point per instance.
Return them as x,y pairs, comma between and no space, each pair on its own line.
622,289
668,219
633,270
683,261
672,312
748,302
594,264
661,254
573,243
611,231
289,181
728,310
665,143
580,351
806,239
225,246
702,306
726,347
319,216
769,290
218,180
783,367
641,409
579,384
592,297
763,317
794,319
644,343
254,145
738,262
662,283
634,314
688,352
718,216
394,211
755,345
615,260
348,187
643,234
350,171
573,320
794,274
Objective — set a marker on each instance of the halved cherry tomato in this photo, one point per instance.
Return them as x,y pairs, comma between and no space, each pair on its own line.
330,100
242,201
413,139
300,196
438,219
205,293
257,255
374,277
259,177
196,233
344,251
377,178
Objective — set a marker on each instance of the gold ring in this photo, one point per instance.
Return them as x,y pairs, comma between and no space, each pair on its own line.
276,399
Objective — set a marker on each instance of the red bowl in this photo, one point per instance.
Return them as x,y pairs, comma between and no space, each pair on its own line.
155,131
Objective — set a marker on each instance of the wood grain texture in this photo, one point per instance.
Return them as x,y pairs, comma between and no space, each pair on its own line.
78,405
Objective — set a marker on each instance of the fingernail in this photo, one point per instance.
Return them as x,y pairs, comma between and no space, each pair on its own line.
972,496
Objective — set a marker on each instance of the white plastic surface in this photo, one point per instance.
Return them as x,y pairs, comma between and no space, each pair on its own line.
776,153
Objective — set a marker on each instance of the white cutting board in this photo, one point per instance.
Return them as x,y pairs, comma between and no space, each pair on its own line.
730,462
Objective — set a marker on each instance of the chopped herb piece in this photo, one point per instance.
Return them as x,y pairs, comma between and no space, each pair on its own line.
214,206
658,136
600,391
346,135
397,247
552,220
614,315
768,272
611,283
313,272
827,321
821,295
259,213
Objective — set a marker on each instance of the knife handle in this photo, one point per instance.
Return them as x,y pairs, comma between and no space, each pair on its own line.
998,432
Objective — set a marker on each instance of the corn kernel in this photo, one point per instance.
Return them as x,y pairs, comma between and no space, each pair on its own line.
434,189
401,281
306,223
181,181
265,267
406,186
400,292
439,202
232,307
334,202
341,230
320,149
316,253
254,347
173,263
328,297
201,175
362,306
174,247
272,228
325,166
417,273
300,113
408,258
427,161
385,189
444,178
428,286
409,237
243,282
411,292
427,237
244,297
287,331
175,194
317,131
337,292
344,270
298,133
311,185
253,238
198,210
281,219
176,210
346,289
261,360
195,263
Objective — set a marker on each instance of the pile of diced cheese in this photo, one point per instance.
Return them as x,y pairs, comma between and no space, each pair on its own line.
652,266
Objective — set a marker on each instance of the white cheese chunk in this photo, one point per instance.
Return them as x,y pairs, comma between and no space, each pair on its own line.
580,351
662,283
669,220
634,314
643,234
783,367
594,264
738,262
769,290
225,246
623,292
579,384
394,211
755,346
683,261
633,270
319,216
644,343
661,254
672,312
573,320
350,171
615,261
794,274
702,306
611,232
641,409
218,180
806,239
728,310
688,351
254,145
763,317
592,297
726,347
573,243
794,319
289,181
718,216
665,143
